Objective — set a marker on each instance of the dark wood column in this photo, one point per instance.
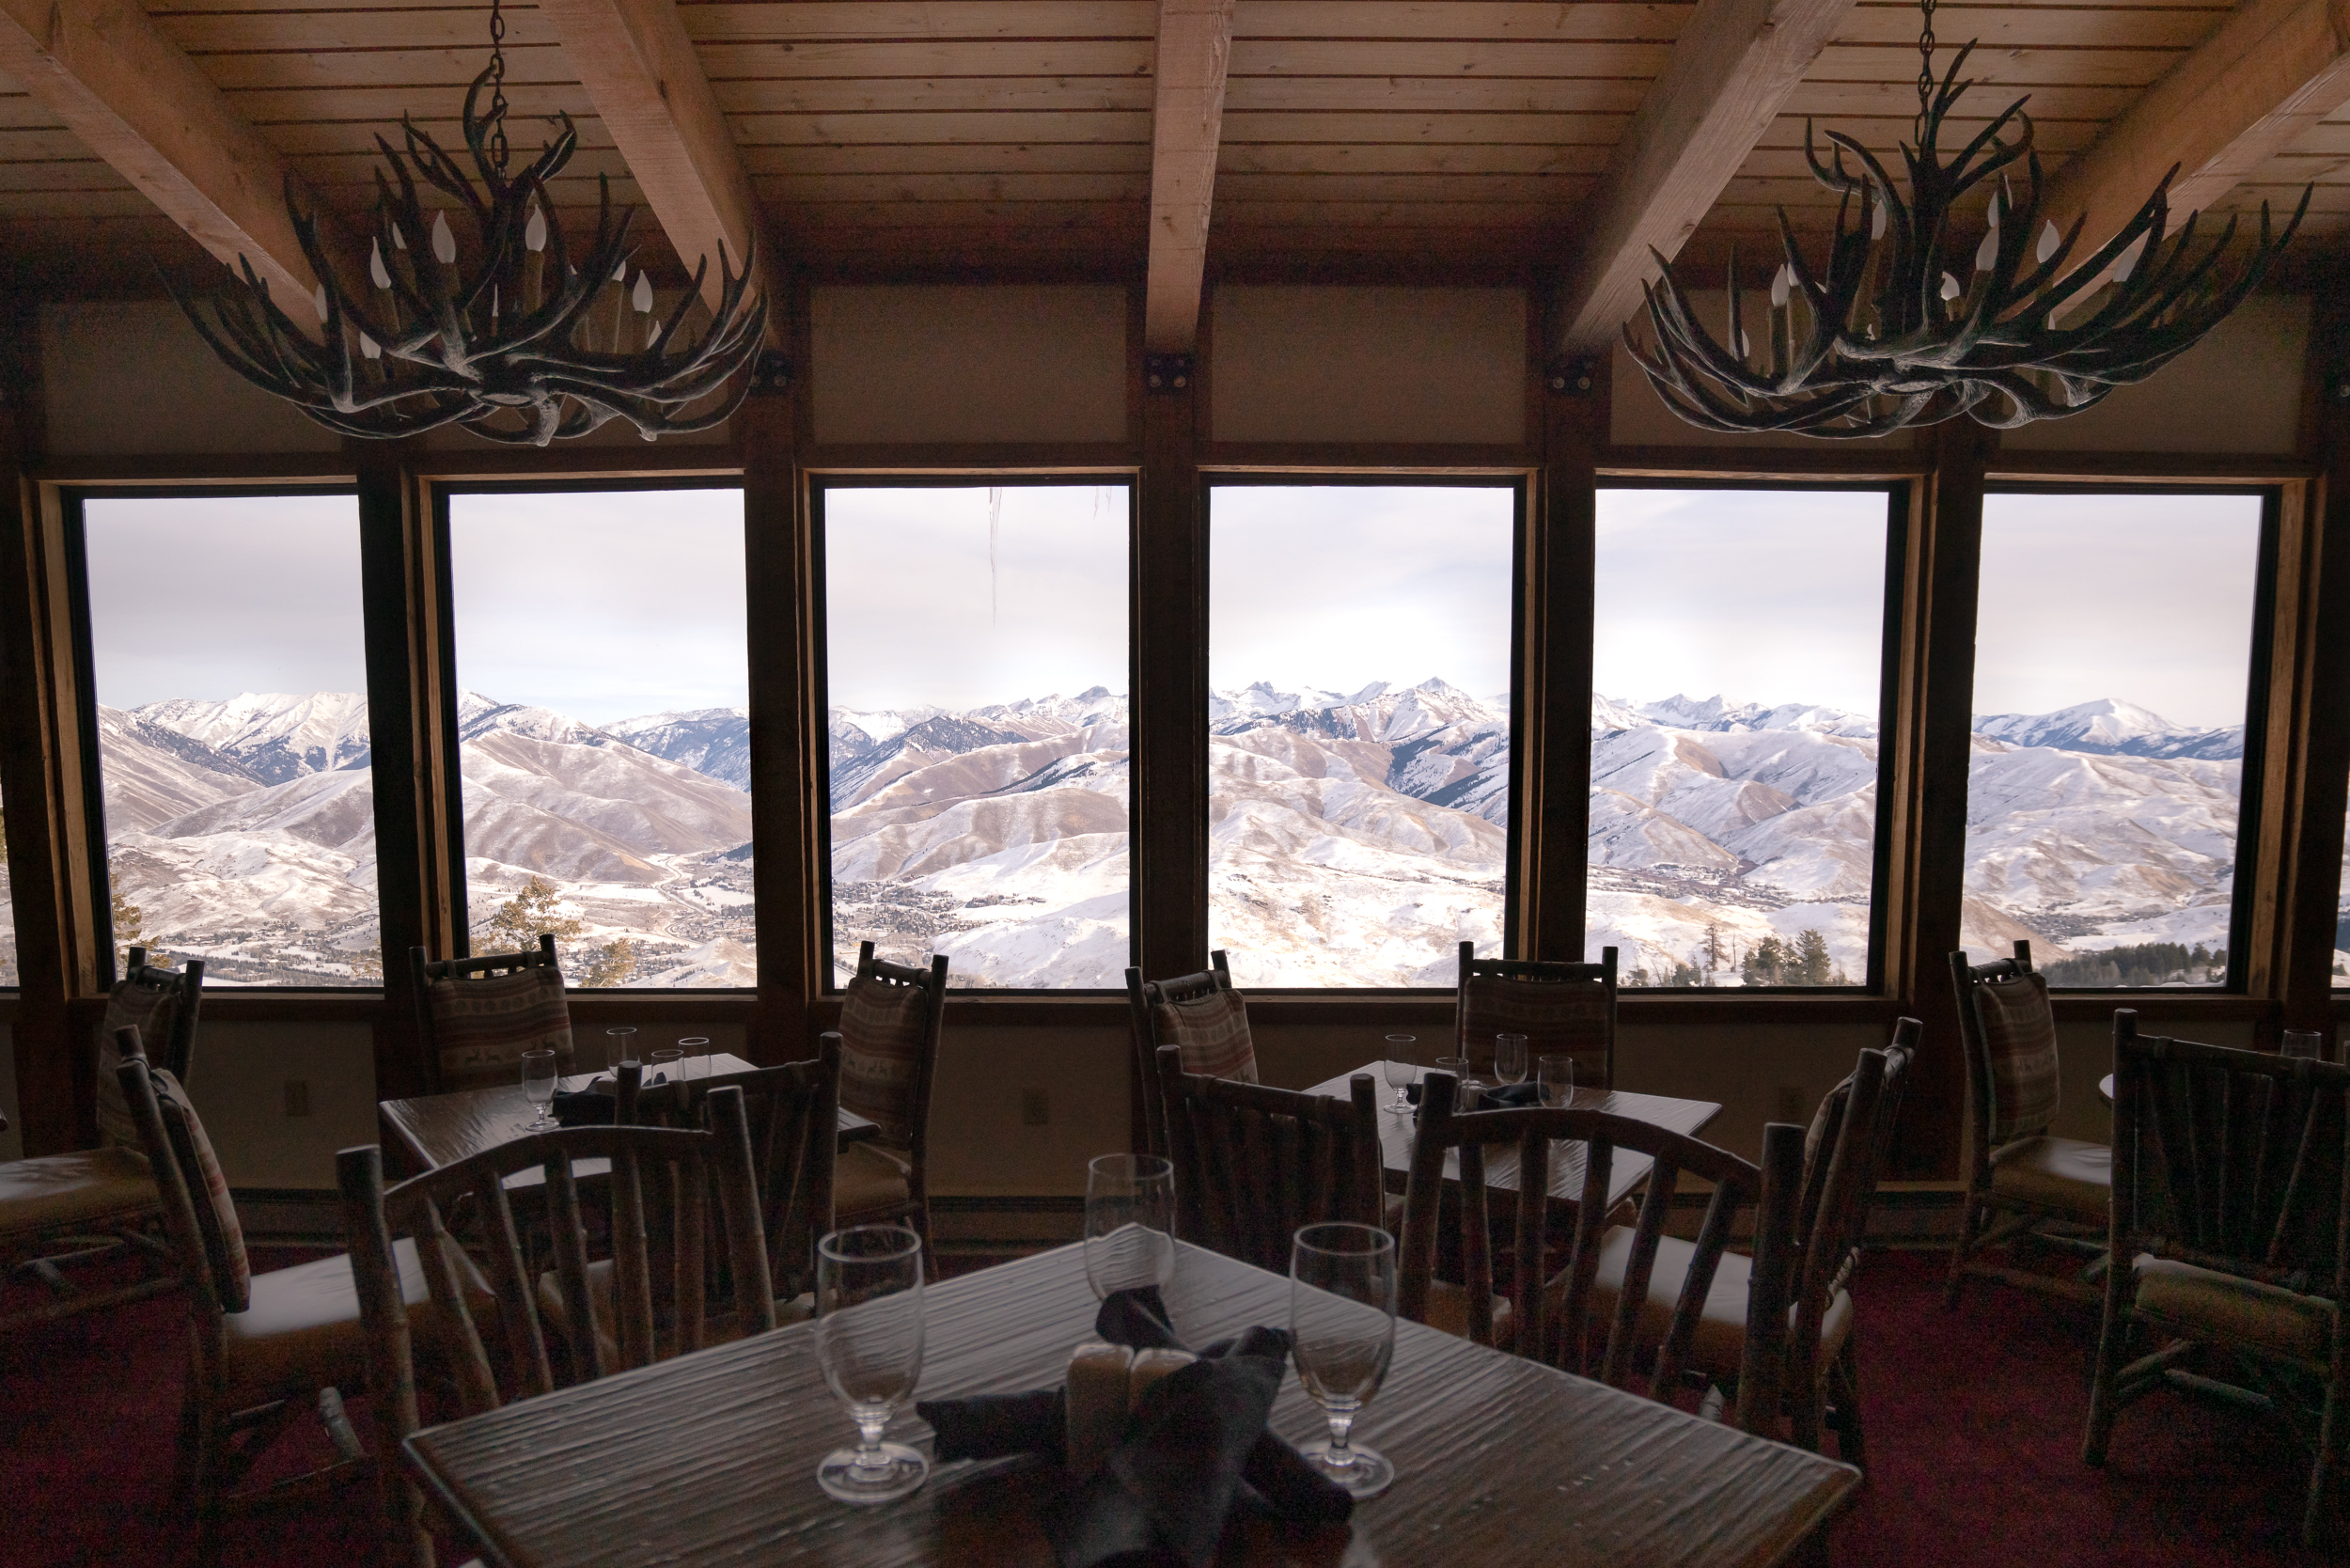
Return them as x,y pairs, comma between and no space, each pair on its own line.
1929,724
1555,714
416,833
1169,711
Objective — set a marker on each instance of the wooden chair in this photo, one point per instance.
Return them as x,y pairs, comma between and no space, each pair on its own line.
478,1015
1562,1009
891,1018
689,1162
1202,1016
2234,1217
1253,1163
2021,1180
58,1211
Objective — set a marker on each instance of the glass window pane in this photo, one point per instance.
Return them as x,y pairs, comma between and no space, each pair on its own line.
1358,751
2112,655
976,663
230,667
1737,652
604,731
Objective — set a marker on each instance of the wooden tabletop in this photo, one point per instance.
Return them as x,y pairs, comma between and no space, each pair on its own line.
710,1459
1627,1170
435,1130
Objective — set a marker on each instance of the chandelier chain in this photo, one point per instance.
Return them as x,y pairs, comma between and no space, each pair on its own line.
1925,64
498,149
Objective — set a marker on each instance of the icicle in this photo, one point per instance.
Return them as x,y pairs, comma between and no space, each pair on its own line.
2050,240
2128,263
1988,253
1782,282
1951,290
642,299
376,270
535,232
369,346
444,243
318,300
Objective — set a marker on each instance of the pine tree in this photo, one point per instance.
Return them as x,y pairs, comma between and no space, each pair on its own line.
130,922
612,963
1713,946
519,919
1811,963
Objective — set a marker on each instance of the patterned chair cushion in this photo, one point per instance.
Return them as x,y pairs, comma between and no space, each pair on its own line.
1557,1018
881,1030
484,1026
215,1211
1211,1032
151,1010
2020,1043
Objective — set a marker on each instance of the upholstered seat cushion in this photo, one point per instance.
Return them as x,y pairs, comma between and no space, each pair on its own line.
869,1178
301,1331
723,1327
1447,1310
2059,1173
2201,1303
1721,1332
88,1187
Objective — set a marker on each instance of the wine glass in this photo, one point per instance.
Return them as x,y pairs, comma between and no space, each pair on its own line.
1130,1222
1555,1077
2303,1042
1342,1329
1401,1062
696,1045
1510,1059
620,1045
868,1342
539,1082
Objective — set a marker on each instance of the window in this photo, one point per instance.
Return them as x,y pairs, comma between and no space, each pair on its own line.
1359,709
1737,657
228,668
2112,658
976,671
602,727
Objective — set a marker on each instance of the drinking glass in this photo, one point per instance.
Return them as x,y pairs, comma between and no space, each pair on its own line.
1555,1075
2304,1043
1342,1329
868,1342
1130,1222
539,1082
696,1045
1510,1059
620,1045
1403,1066
668,1065
1466,1097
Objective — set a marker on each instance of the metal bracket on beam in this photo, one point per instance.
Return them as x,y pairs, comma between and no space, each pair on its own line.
1573,378
771,373
1168,372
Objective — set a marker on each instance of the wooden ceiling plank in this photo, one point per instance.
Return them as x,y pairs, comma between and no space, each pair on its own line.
134,98
2272,71
638,67
1734,68
1079,126
1194,49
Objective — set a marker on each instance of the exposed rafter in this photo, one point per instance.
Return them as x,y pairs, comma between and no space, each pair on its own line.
1729,74
134,98
647,83
1186,123
2274,69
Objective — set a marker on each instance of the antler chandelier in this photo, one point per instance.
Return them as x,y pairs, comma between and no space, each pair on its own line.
509,336
1890,336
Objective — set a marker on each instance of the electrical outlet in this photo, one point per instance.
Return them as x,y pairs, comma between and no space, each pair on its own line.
297,1097
1793,1105
1036,1108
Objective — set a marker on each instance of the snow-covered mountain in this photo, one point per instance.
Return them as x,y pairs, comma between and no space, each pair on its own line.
2109,728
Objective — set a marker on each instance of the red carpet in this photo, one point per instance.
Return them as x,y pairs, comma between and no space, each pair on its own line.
1974,1421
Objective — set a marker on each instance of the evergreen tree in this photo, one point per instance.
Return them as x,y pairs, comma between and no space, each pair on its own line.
519,919
612,963
1766,962
1811,965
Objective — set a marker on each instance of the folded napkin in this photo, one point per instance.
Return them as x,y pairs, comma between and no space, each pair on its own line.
1511,1097
586,1107
1195,1444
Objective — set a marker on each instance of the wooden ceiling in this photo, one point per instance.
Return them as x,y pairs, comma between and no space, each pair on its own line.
1334,138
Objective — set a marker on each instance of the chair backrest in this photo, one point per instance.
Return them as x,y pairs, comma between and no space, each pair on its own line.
162,1006
891,1017
2010,1033
1253,1163
1562,1009
199,1216
1201,1015
2242,1160
478,1015
792,1116
1557,1331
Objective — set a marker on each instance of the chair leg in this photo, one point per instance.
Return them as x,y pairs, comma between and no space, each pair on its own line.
1970,1223
1844,1404
209,1479
2112,1344
2329,1438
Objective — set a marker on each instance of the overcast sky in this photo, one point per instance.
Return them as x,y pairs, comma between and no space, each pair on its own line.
212,596
1338,586
942,598
601,606
1762,596
2145,598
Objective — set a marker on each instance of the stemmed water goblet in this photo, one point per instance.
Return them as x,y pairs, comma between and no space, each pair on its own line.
1130,1223
868,1342
539,1078
1342,1288
1403,1066
1510,1059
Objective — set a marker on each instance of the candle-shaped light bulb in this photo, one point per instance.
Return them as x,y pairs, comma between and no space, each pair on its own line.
376,270
1988,253
1782,282
1951,290
2128,263
399,241
2050,240
1876,220
369,346
319,300
535,232
444,243
642,298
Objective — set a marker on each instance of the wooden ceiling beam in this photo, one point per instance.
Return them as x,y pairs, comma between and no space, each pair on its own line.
1735,64
2272,71
134,98
1195,45
639,70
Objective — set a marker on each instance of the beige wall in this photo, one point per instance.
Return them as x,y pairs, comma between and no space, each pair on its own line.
1406,364
133,376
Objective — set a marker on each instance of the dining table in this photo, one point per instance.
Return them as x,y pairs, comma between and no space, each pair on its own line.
711,1458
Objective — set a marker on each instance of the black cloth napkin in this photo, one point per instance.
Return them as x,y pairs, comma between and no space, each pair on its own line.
587,1107
1195,1445
1511,1097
